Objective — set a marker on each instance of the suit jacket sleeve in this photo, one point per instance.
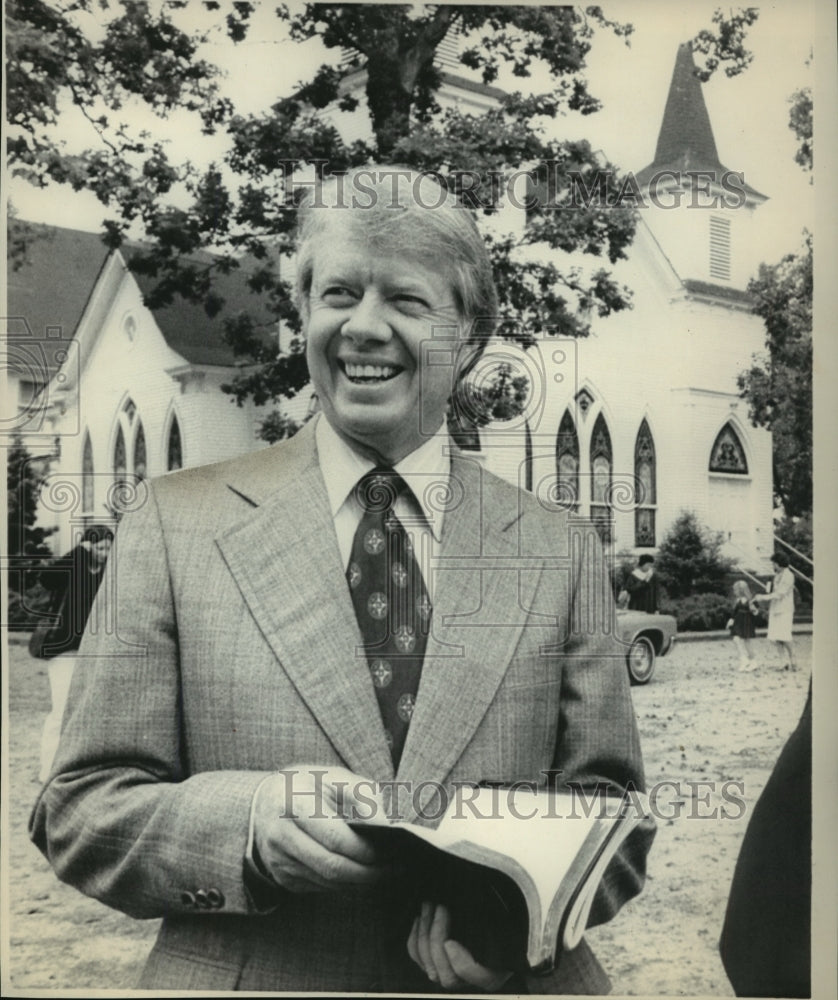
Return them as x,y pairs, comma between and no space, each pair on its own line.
599,744
121,817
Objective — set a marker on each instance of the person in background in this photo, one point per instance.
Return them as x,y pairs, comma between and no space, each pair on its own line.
642,586
72,583
781,608
741,624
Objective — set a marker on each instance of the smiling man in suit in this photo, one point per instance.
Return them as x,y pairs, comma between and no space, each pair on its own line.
267,674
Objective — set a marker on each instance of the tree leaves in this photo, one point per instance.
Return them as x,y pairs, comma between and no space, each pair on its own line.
727,44
99,58
800,122
778,384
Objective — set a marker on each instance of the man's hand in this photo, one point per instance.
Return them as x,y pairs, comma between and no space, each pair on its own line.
300,830
445,961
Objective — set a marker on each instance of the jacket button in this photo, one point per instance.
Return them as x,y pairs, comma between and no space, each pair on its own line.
187,898
216,898
201,899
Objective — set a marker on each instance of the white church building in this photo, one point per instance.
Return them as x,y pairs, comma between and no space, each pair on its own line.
631,426
642,419
111,392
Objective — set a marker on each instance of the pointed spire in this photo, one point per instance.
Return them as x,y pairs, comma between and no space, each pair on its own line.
686,141
686,132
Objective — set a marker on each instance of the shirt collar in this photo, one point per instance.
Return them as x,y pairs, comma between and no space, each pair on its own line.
342,468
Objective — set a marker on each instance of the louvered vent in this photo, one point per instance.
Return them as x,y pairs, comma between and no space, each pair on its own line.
448,51
719,248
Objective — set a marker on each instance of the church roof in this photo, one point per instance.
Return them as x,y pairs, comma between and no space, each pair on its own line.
49,290
199,337
686,140
53,285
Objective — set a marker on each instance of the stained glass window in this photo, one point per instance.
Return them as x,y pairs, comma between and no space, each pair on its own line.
139,452
644,527
645,475
602,464
130,459
727,454
601,469
567,462
584,400
174,449
120,460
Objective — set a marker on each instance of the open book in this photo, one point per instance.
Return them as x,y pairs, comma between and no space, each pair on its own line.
517,867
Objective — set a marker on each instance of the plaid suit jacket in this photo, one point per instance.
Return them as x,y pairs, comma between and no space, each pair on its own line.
233,654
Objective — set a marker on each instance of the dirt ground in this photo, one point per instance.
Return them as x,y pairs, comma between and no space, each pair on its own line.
700,721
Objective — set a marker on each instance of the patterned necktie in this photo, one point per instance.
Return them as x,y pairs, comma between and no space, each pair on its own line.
391,602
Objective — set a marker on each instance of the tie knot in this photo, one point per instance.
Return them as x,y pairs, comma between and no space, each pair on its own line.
378,490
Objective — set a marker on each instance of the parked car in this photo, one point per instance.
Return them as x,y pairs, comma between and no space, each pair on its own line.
647,637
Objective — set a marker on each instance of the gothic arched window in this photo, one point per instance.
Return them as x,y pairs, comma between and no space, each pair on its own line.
602,465
567,463
645,474
727,454
140,460
120,459
87,492
130,459
174,448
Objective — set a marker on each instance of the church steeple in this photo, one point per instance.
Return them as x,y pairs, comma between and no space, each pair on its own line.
686,141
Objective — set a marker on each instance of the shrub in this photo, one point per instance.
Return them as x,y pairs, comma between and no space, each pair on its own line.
25,611
689,560
699,612
23,480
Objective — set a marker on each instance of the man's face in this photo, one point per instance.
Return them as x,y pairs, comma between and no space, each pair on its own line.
382,382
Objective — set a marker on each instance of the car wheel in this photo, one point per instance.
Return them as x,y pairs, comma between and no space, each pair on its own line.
641,660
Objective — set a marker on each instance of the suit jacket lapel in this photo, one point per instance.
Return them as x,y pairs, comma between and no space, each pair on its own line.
285,559
286,562
477,620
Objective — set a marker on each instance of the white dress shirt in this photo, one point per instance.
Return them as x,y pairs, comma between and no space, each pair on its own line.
426,471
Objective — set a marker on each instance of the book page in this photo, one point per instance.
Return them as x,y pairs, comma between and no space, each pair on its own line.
542,831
